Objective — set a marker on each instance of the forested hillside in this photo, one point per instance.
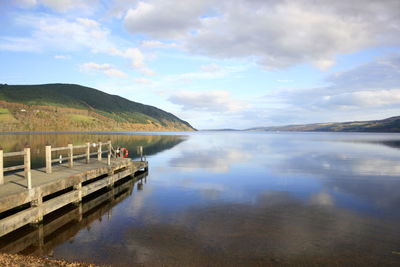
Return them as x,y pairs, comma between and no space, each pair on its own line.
70,107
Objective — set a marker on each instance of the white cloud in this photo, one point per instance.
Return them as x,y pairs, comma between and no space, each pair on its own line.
136,57
62,57
88,22
210,101
275,33
107,69
138,61
158,44
157,19
210,71
375,98
115,73
210,68
63,5
25,3
118,8
59,5
369,91
17,44
142,80
59,34
51,33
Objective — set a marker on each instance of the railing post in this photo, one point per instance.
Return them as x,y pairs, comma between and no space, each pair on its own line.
27,166
1,166
87,153
109,153
71,155
99,151
140,152
48,159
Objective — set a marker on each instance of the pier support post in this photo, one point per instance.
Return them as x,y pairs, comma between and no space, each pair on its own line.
1,166
78,187
99,151
87,153
37,203
48,159
27,166
40,236
71,155
109,153
80,210
111,178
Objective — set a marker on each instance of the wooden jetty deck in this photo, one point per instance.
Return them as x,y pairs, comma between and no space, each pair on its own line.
40,240
26,196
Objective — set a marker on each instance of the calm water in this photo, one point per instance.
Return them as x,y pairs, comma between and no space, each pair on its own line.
235,199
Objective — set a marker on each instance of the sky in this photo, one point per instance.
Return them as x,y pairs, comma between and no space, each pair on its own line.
215,63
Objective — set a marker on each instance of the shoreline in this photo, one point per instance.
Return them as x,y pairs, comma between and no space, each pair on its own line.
33,261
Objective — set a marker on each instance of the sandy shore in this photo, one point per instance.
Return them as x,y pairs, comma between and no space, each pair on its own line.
31,261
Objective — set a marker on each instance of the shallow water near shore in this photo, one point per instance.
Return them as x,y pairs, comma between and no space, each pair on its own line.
233,198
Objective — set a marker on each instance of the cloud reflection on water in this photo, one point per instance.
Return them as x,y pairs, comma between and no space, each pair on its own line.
240,199
278,228
217,161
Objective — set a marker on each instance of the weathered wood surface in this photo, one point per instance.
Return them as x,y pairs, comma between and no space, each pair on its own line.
14,192
82,216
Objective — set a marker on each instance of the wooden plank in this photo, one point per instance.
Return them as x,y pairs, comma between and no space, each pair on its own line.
14,200
81,146
1,166
15,194
59,202
16,246
17,220
13,154
68,158
71,155
87,153
93,187
27,163
59,148
99,151
48,159
58,160
79,156
13,168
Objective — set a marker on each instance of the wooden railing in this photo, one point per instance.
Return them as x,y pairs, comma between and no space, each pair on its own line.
70,156
26,153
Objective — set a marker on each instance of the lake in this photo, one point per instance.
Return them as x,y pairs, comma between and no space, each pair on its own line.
235,199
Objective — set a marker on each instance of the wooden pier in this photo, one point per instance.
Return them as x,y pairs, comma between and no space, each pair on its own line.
28,195
40,239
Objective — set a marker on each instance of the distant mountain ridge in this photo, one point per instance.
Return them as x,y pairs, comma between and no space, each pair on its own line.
71,107
391,124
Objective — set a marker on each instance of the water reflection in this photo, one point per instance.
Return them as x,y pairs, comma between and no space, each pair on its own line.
218,161
152,144
359,173
62,225
276,229
244,199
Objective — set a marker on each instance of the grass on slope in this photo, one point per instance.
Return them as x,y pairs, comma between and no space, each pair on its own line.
76,96
5,116
81,118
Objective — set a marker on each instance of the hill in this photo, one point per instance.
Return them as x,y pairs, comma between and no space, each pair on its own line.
387,125
71,107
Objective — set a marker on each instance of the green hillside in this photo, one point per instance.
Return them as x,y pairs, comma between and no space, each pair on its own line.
387,125
112,107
